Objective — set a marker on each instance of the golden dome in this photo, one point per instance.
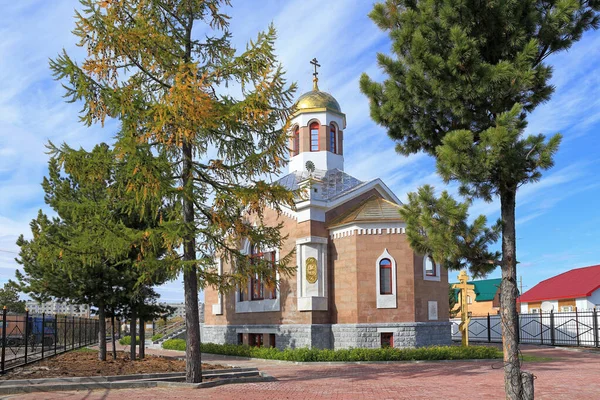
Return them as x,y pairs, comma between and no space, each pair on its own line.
317,99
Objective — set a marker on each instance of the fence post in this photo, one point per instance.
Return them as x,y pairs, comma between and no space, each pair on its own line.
518,330
55,332
26,333
72,332
577,325
3,337
66,325
552,327
595,325
541,326
79,332
489,332
43,338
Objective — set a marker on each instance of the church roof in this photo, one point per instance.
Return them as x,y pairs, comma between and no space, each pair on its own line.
317,99
334,183
374,209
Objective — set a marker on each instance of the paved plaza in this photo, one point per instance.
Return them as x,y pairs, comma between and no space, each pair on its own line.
570,375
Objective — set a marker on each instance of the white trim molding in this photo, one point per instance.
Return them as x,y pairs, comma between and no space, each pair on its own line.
217,309
386,300
374,228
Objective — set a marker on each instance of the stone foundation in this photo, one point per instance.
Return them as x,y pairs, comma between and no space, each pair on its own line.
336,336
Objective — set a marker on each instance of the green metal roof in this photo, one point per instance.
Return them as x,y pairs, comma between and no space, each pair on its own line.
485,289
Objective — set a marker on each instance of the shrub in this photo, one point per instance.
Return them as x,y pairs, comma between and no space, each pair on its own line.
352,354
157,337
126,340
174,344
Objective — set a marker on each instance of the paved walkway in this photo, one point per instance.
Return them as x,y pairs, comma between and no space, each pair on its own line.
571,375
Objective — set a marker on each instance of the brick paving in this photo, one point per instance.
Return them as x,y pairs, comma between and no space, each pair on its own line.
571,375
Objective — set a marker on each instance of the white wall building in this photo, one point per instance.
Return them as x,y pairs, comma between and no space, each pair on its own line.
578,288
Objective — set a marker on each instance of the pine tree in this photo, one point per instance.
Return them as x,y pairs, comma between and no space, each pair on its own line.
461,79
9,298
171,89
89,252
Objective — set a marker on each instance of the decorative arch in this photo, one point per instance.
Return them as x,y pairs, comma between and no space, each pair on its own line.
385,268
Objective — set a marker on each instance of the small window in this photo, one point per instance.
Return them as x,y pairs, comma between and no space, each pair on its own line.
255,339
272,340
430,267
387,340
332,139
296,143
314,136
385,276
469,301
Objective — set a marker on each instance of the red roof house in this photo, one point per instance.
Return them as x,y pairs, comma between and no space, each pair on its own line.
578,287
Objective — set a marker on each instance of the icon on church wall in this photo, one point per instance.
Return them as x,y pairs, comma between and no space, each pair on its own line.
311,270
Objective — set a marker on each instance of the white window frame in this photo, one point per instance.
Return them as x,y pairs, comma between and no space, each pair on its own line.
265,305
438,270
386,300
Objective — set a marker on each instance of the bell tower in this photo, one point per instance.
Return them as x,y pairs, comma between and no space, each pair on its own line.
317,130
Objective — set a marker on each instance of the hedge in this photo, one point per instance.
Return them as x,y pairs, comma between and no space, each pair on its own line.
157,337
352,354
126,340
174,344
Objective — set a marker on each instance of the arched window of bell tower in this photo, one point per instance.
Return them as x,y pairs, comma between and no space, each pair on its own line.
314,136
296,142
333,138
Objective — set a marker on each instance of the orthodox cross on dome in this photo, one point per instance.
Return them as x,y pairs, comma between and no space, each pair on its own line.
316,64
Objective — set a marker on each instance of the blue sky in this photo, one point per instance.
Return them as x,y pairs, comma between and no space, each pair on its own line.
558,218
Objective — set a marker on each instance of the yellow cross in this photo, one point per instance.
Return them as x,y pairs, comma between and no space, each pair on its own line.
464,310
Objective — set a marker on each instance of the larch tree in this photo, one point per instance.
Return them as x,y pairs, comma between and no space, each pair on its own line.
167,71
461,79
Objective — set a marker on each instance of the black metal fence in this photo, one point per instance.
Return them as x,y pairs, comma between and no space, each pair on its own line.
31,337
573,328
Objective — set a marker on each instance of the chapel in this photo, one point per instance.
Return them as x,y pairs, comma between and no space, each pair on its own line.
357,283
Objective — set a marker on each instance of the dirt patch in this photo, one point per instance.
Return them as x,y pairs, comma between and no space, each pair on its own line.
85,363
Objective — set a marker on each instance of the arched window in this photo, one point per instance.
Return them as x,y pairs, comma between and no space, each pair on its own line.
314,136
332,139
385,276
430,267
296,142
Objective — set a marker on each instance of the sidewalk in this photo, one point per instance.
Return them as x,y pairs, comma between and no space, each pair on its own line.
572,375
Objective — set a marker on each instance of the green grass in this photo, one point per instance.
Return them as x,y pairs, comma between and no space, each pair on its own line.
345,355
126,340
85,350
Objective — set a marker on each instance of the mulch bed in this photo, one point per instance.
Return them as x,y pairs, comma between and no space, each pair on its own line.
85,363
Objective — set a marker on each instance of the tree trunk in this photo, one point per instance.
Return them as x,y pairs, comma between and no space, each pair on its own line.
513,379
132,335
142,339
113,339
101,333
193,359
